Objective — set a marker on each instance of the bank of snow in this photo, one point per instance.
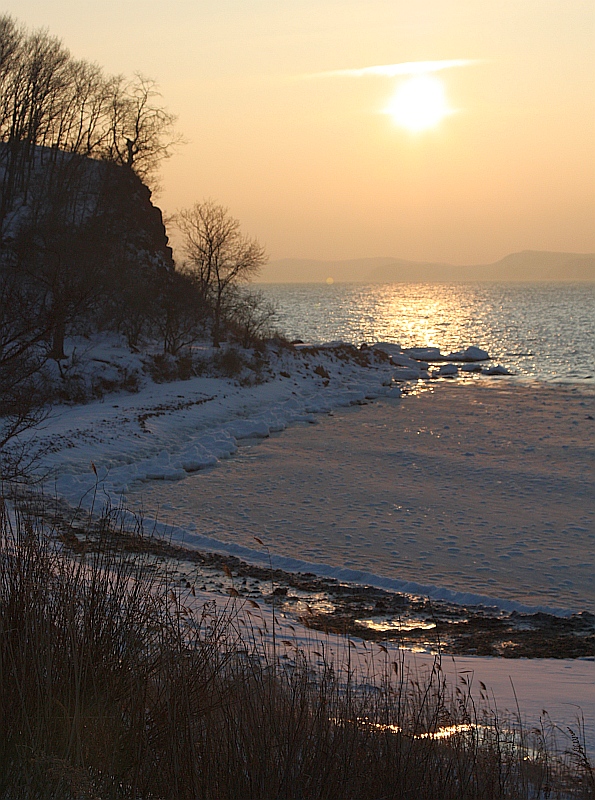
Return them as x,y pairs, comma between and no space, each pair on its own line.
95,453
168,430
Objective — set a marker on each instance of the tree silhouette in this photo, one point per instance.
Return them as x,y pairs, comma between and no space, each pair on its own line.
219,256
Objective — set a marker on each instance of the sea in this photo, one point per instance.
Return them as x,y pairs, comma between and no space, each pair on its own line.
539,331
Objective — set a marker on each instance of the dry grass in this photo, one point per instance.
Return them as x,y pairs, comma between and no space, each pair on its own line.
110,688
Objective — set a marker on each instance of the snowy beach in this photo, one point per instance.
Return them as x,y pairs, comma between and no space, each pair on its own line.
475,491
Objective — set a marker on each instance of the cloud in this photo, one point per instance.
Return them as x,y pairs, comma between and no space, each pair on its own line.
392,70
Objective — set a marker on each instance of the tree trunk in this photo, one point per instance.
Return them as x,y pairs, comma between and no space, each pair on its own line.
216,331
58,334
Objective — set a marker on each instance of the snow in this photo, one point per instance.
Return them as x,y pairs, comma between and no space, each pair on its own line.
464,490
447,371
469,354
558,694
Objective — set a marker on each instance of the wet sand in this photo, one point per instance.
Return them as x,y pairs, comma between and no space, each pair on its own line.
483,488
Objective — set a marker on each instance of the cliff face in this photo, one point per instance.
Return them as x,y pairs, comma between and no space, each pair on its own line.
68,192
82,246
127,204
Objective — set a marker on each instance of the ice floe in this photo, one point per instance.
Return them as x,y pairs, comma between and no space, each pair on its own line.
469,354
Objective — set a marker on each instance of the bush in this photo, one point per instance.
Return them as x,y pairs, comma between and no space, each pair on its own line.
228,363
163,367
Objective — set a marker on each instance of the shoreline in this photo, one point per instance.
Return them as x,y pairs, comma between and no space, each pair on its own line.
357,610
441,472
265,498
227,423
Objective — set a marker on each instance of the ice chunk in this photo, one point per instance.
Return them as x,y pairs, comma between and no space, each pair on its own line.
249,429
471,367
399,360
497,369
447,371
425,353
388,347
469,354
406,374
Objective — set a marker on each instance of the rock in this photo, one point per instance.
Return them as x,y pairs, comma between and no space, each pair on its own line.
470,354
320,370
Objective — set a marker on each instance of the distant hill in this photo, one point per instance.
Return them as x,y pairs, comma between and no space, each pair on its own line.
528,265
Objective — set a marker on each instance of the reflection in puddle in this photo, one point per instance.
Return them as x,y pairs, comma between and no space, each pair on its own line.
441,733
392,624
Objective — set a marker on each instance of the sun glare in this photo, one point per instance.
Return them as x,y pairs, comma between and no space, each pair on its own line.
419,103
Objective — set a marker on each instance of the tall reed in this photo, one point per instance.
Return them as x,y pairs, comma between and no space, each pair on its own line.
111,687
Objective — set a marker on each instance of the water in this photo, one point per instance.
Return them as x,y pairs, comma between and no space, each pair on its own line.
540,331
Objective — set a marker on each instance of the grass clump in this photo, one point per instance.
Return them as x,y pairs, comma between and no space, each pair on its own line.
115,685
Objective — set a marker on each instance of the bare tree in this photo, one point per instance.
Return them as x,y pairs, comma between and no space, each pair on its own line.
181,316
141,131
51,103
218,255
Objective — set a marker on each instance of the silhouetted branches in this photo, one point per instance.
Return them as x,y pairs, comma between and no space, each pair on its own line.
219,256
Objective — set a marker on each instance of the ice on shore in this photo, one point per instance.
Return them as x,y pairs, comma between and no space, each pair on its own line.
409,374
433,354
425,353
469,354
168,431
447,371
497,369
152,440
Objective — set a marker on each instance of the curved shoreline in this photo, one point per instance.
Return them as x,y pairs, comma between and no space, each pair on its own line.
468,488
547,494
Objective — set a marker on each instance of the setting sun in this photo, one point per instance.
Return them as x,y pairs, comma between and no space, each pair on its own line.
419,103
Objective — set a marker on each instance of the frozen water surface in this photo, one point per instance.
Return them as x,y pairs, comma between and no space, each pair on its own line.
479,491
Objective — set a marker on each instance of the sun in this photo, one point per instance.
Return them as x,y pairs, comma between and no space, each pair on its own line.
419,103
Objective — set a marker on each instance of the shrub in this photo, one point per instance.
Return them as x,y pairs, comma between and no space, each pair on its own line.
228,362
163,367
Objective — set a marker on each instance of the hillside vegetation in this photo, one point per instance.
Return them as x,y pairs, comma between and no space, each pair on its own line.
83,250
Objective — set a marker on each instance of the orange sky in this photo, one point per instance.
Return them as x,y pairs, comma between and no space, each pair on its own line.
311,166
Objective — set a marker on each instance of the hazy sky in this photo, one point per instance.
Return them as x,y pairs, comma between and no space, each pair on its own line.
312,164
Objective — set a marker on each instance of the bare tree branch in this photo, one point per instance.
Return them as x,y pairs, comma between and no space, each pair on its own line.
219,256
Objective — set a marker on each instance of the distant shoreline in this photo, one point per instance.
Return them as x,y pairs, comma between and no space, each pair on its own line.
519,282
527,266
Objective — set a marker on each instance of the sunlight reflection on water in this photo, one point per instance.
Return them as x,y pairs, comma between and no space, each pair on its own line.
541,331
